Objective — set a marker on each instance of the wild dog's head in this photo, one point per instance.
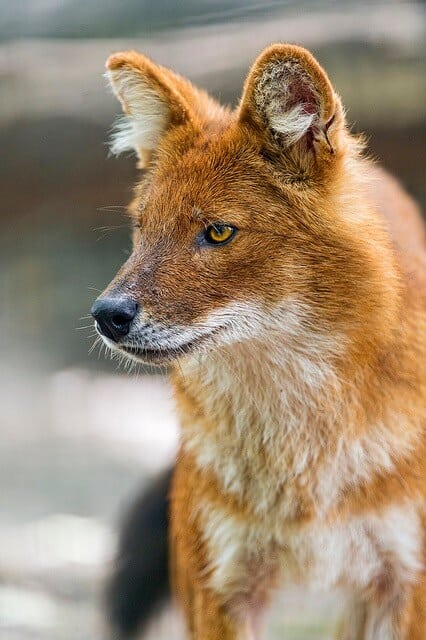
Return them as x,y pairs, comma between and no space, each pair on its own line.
237,212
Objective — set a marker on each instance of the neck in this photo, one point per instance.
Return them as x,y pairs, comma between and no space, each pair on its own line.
286,408
290,368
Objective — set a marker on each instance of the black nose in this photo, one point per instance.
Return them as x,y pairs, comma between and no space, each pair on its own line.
114,316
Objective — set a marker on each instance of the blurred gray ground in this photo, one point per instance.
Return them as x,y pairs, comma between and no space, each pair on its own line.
77,437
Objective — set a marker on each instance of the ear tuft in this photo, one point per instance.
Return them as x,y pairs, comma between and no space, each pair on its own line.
146,115
288,99
149,101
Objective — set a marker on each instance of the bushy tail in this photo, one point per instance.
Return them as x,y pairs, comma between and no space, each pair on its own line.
139,583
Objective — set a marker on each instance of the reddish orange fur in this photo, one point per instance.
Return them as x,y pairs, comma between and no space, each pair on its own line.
321,225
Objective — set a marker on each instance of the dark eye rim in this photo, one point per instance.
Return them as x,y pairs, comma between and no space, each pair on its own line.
204,240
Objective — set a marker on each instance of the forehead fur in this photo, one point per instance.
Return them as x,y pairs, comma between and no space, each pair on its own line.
222,174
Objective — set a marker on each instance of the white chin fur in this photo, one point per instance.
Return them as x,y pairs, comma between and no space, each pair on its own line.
109,343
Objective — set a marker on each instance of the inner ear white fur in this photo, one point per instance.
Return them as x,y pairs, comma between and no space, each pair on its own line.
287,98
147,114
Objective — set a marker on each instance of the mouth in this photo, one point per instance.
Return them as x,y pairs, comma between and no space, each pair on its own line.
161,356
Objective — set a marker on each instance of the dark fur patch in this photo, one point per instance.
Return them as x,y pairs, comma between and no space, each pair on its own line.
139,583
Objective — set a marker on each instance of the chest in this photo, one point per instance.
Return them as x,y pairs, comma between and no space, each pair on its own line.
264,440
284,465
287,445
292,446
356,554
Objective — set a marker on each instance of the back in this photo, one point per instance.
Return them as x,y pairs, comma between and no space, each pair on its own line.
404,220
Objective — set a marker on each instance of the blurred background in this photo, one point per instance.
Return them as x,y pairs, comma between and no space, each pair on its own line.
78,437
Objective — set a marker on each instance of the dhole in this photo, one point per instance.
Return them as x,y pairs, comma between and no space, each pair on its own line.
282,275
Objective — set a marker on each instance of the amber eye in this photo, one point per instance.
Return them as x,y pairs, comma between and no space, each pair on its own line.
219,233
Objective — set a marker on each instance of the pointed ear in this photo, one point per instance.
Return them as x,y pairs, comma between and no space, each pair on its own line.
288,99
151,101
